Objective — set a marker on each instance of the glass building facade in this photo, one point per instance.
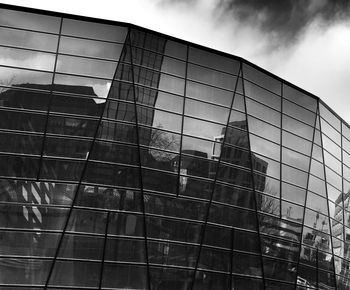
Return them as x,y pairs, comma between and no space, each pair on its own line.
133,160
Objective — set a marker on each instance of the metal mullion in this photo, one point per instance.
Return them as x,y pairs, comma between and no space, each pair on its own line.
28,69
104,250
27,49
253,182
329,219
213,189
128,44
280,161
342,194
50,103
64,228
26,29
182,125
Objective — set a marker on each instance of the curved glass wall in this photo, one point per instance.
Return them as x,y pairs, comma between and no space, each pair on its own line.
129,160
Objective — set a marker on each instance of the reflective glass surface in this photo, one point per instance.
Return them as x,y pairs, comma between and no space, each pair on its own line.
129,160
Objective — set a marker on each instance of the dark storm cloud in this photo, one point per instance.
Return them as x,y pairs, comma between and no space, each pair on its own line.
283,19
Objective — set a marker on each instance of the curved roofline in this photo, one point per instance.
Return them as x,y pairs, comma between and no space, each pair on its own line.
130,25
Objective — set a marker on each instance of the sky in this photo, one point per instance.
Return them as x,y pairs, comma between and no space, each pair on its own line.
306,42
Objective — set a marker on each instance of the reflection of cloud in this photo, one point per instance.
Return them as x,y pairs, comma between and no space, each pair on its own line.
101,90
32,61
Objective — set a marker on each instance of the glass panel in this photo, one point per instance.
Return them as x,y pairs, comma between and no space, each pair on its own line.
331,147
27,59
14,166
213,60
262,95
84,66
209,94
293,193
246,264
206,111
330,132
265,113
202,129
112,152
28,39
300,98
297,127
317,185
87,221
261,79
170,279
263,129
117,132
295,159
292,211
298,112
330,117
264,147
93,30
22,144
159,119
173,66
22,121
75,273
61,169
29,20
122,224
294,176
82,85
175,49
25,78
85,47
171,84
296,143
211,77
125,250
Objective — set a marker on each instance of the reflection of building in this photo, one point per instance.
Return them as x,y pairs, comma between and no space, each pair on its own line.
162,185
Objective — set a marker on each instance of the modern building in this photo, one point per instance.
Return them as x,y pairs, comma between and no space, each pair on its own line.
133,160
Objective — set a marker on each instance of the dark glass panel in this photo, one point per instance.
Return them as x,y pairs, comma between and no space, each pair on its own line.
27,59
113,152
213,60
234,136
306,272
93,30
246,264
296,143
122,224
61,169
157,159
165,253
22,121
211,77
125,72
297,127
71,126
24,244
147,58
190,186
108,174
173,66
19,271
156,138
175,49
284,249
234,196
263,129
295,159
82,85
87,221
16,77
214,259
84,66
173,206
120,110
125,250
25,99
193,146
36,192
66,147
14,166
298,112
117,132
281,270
206,111
109,198
29,20
171,84
75,273
84,47
293,193
209,94
233,175
233,217
267,203
196,165
22,144
265,113
176,230
210,280
159,181
261,79
28,39
235,156
33,217
218,236
243,283
170,279
264,147
81,247
300,98
246,241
